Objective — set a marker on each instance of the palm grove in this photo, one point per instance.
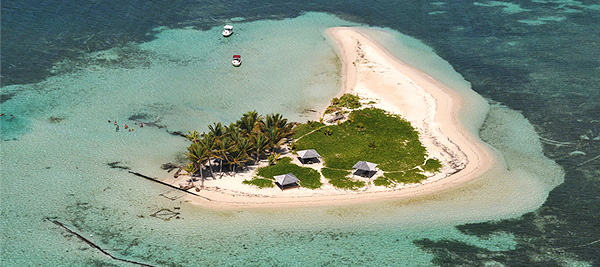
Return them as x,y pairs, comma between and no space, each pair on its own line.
247,140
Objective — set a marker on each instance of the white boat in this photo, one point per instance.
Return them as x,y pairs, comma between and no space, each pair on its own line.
237,60
228,30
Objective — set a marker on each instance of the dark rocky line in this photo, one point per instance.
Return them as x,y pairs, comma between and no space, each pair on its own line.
92,244
169,185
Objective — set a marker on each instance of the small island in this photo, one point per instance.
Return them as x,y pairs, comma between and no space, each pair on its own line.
392,132
355,133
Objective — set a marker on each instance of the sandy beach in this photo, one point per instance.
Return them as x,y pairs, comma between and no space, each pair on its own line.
371,72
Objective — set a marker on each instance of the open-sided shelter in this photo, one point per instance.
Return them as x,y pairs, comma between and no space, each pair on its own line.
309,155
287,180
365,168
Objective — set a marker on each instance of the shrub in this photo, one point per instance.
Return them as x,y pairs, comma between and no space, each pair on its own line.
383,181
260,182
407,177
273,158
413,176
432,165
346,100
338,179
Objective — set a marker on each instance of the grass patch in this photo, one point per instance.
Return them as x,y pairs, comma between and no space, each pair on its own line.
394,176
338,179
371,135
432,165
260,182
383,181
304,128
334,174
309,178
408,177
413,177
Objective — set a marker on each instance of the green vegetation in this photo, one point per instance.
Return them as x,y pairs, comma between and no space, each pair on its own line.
304,128
338,179
273,158
370,135
383,181
309,178
260,182
345,101
432,165
407,177
234,146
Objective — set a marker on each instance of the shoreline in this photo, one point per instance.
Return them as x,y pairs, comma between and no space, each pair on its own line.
371,72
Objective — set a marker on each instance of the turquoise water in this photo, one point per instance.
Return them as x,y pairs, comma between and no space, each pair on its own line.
56,152
184,81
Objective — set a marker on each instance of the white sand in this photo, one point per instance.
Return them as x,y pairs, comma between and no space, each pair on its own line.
374,74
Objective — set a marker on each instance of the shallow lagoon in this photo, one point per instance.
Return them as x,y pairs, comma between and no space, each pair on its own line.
57,166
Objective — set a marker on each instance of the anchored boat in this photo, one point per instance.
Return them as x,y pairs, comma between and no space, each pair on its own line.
228,30
237,60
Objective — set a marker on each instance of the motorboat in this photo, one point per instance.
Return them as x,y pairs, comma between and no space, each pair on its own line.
228,30
237,60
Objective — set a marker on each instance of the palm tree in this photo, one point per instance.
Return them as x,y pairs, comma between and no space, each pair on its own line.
277,128
274,137
223,151
244,145
249,122
259,143
234,133
275,120
193,136
198,154
239,154
210,143
217,130
219,133
190,169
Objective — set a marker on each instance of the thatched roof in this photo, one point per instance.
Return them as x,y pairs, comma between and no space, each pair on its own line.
286,179
308,154
365,166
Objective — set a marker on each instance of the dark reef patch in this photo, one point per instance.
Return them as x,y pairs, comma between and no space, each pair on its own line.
118,165
6,97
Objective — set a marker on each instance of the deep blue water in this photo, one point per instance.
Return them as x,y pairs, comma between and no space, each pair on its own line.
542,59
